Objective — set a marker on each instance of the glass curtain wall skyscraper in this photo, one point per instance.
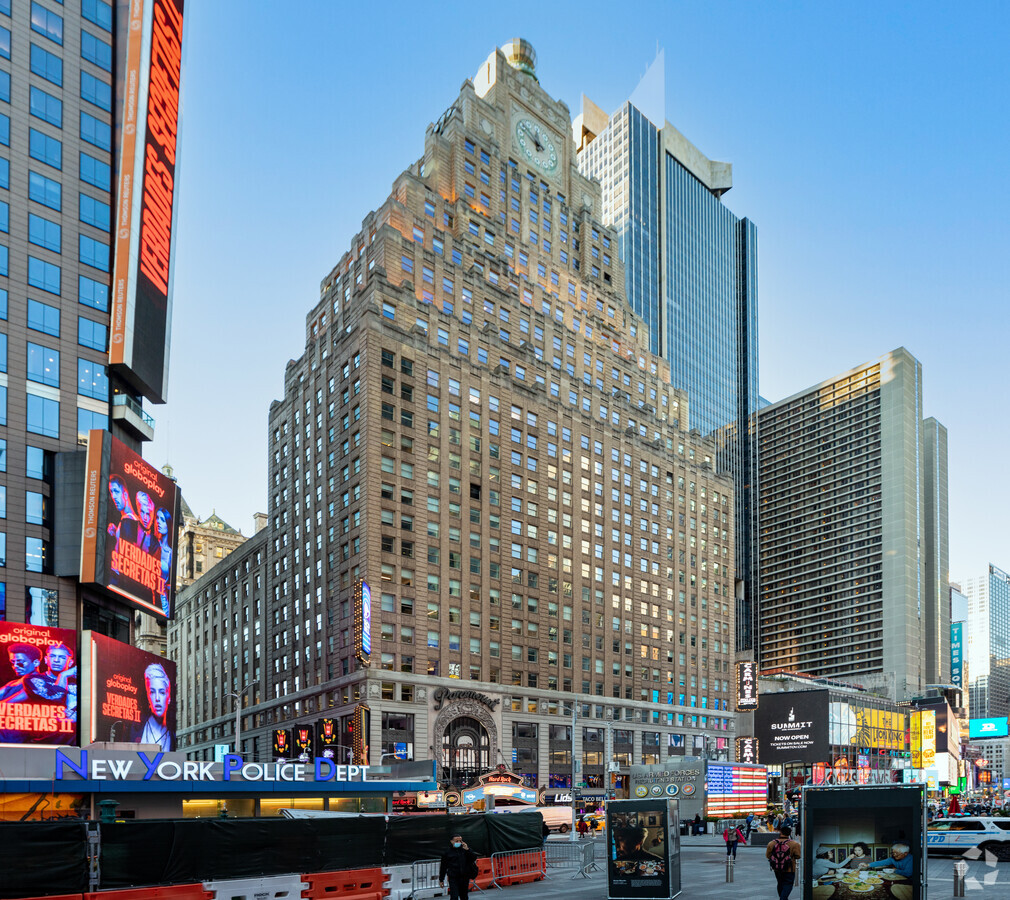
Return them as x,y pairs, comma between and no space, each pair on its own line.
691,275
988,638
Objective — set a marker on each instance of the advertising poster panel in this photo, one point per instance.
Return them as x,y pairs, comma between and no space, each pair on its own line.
129,529
283,746
747,750
328,739
131,693
987,728
38,684
792,727
643,844
746,686
304,741
863,841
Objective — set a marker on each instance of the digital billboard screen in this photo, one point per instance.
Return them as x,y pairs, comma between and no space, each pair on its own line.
38,684
746,686
145,207
131,693
792,727
282,744
987,728
863,841
735,790
129,533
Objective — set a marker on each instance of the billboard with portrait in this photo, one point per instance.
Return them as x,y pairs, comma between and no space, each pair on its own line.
131,694
792,726
129,533
643,849
865,840
38,684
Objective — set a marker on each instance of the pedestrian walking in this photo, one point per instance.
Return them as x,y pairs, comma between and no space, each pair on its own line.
782,854
732,835
582,827
748,826
459,863
545,830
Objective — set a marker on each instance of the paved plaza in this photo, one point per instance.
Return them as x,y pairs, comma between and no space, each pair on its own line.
703,877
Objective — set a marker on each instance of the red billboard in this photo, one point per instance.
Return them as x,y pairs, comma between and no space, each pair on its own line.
130,512
141,295
130,693
38,684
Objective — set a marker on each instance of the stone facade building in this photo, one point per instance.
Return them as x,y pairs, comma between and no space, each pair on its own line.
477,431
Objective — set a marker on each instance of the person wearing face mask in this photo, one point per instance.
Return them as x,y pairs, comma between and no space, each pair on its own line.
459,862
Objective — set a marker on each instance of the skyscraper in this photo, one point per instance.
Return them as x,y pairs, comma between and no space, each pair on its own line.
846,549
988,637
76,353
485,505
691,275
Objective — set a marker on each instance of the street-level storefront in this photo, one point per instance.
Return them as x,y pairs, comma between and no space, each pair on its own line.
48,783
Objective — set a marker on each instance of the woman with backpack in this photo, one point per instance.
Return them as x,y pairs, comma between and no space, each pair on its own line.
732,835
782,854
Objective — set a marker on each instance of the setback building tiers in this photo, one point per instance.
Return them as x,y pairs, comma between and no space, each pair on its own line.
478,433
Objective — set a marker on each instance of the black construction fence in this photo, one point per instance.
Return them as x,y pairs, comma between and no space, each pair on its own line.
38,858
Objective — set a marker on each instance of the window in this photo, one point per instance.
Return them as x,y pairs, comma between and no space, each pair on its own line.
92,334
44,233
45,149
3,352
92,380
5,173
94,253
5,217
35,555
96,51
95,91
95,172
5,38
43,365
35,508
44,190
5,87
87,420
43,416
44,318
95,132
91,293
94,212
47,65
98,12
5,130
47,23
36,462
44,275
46,107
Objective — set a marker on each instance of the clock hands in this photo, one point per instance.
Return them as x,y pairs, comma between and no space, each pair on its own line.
536,142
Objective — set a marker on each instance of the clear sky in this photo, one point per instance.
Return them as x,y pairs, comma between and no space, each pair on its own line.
869,144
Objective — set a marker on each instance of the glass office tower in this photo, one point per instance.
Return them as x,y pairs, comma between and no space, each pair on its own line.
691,274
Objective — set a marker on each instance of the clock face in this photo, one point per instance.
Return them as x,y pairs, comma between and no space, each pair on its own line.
536,144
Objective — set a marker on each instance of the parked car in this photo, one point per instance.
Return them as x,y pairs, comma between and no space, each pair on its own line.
955,835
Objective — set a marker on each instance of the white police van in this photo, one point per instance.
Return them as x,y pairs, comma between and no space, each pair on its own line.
958,834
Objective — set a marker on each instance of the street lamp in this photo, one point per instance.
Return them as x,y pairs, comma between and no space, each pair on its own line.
238,714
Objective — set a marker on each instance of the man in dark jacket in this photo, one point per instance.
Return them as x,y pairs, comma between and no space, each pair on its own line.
459,862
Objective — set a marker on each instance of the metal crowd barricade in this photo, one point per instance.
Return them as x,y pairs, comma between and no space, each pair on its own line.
424,877
566,855
518,866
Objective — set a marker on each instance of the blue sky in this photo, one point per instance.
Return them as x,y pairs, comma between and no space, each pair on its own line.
868,142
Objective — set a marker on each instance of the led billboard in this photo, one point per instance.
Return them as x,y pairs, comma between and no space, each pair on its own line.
129,532
38,684
987,728
746,686
145,208
282,745
735,790
131,694
792,727
957,654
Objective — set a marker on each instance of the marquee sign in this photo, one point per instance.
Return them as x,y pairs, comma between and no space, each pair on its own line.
746,686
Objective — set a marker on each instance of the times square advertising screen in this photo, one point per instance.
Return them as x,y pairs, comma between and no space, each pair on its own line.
131,693
130,514
38,684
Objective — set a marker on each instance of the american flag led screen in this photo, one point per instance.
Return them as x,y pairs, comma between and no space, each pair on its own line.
735,790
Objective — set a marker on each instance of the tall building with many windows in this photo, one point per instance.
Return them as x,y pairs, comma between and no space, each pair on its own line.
851,544
987,633
485,504
76,354
691,276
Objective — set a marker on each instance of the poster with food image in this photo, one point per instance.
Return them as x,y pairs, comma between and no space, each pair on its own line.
643,849
863,841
